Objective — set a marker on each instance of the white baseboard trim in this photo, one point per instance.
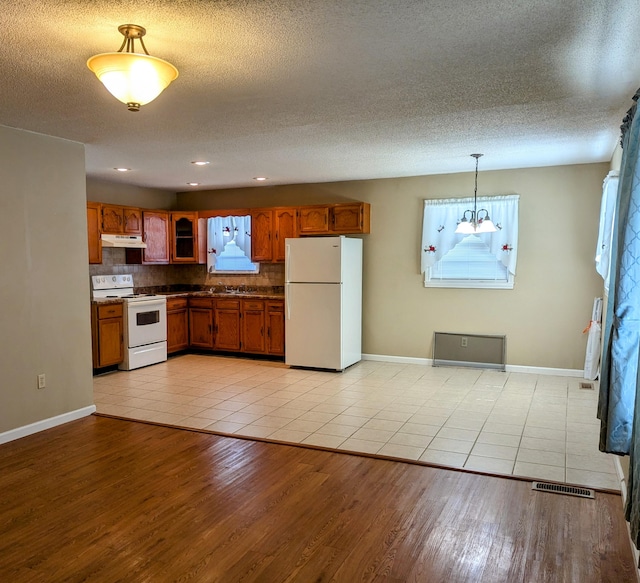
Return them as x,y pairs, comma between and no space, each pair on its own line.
25,430
563,372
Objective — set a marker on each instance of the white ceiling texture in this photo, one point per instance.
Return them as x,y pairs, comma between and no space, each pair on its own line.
326,90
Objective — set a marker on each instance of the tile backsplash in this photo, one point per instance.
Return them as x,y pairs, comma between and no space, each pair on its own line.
114,262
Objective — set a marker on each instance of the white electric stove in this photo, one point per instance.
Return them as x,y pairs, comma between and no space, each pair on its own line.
145,320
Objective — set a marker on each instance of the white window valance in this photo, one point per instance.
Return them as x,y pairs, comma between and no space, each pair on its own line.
441,217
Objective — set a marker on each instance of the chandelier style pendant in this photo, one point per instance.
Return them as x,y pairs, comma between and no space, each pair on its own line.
477,222
133,78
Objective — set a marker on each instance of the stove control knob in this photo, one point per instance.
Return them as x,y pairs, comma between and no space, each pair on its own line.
113,278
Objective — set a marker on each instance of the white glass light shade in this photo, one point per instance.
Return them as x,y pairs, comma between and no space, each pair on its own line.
465,228
133,78
486,226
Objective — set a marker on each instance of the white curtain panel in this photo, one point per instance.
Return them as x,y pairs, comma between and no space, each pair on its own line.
222,230
605,230
441,217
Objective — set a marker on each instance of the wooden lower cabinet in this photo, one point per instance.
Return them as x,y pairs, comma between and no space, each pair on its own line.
107,335
230,325
177,325
227,325
253,332
201,323
275,327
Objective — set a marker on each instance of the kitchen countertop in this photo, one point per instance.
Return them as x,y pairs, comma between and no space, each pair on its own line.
257,295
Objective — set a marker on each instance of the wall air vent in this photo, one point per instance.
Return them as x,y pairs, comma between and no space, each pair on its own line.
563,489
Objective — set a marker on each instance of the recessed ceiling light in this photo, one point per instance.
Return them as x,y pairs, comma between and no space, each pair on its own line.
193,183
201,162
122,169
260,178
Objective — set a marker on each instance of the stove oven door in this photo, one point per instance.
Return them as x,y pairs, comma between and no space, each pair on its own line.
146,322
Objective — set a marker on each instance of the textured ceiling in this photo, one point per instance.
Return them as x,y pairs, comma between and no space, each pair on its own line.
326,90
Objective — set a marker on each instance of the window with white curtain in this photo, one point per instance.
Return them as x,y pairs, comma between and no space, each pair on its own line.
605,230
480,260
229,245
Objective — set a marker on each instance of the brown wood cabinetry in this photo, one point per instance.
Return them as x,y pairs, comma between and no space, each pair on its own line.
107,337
121,220
156,236
93,227
350,218
227,325
201,322
274,318
261,232
313,220
285,223
269,229
177,324
335,219
253,326
184,237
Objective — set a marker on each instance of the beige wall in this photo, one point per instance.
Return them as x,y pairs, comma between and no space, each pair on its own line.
44,288
543,317
128,195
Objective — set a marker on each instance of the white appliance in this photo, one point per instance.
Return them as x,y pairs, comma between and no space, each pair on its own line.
323,302
145,320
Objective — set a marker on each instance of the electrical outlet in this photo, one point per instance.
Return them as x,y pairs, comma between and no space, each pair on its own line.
463,342
41,381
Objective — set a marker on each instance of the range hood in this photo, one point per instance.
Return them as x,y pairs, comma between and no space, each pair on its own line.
130,241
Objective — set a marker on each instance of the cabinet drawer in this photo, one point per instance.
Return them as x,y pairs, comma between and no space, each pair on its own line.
275,306
200,303
110,311
228,304
176,303
256,305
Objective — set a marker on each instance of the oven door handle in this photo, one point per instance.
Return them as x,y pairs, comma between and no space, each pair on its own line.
147,303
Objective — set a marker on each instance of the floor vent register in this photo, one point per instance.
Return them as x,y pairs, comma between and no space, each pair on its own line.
562,489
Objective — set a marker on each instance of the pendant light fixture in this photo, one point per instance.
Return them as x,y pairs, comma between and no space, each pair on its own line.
477,223
133,78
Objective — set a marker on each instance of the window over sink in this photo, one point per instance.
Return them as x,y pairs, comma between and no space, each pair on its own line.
229,245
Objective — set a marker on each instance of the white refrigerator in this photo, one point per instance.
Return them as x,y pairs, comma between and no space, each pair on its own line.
323,302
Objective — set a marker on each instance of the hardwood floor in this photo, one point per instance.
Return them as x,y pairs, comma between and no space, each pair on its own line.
112,500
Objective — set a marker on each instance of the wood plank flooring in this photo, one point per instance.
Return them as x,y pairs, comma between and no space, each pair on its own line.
110,500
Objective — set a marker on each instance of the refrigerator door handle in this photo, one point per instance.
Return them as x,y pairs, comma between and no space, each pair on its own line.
288,302
287,260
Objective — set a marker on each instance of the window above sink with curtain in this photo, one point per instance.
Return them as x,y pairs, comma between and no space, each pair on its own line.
229,245
477,260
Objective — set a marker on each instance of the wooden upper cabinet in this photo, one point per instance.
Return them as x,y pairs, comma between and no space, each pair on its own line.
350,218
184,237
335,219
313,220
132,221
156,236
112,219
121,220
93,229
285,225
261,228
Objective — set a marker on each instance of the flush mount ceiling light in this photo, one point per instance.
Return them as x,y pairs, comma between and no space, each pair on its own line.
133,78
477,222
260,178
122,169
193,183
200,162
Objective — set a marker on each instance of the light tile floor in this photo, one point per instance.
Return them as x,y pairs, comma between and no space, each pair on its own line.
542,427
